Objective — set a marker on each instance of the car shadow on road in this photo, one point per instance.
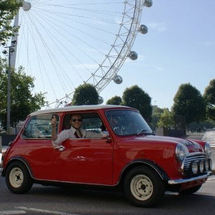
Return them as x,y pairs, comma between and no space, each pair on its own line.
107,195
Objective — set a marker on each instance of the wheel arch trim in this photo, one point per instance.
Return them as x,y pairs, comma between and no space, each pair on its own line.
20,159
162,174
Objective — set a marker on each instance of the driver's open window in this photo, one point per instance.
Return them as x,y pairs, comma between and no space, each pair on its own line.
91,123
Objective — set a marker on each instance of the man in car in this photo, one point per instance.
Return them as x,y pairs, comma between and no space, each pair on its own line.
75,131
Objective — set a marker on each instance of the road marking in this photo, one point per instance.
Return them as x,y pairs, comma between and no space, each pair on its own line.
15,212
44,211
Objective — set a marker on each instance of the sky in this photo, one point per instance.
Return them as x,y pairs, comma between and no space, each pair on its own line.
61,51
179,48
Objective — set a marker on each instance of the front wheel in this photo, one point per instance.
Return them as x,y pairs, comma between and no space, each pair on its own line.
143,187
18,179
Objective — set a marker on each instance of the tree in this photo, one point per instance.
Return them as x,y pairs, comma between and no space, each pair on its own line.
209,96
156,114
22,100
8,9
166,120
137,98
85,94
116,100
188,102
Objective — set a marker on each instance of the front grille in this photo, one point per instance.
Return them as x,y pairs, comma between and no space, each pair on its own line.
193,158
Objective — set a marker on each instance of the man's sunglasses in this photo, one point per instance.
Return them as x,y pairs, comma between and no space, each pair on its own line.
75,120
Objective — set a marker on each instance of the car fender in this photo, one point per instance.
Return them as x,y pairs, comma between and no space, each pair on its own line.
141,162
20,159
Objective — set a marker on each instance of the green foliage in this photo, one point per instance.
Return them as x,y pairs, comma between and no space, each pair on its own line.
22,101
209,96
166,120
156,113
137,98
8,9
116,100
85,94
188,102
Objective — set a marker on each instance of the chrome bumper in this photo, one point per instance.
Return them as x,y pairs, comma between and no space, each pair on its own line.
186,180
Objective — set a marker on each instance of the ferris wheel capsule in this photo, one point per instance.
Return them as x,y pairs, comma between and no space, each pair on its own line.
143,29
148,3
26,6
118,79
133,55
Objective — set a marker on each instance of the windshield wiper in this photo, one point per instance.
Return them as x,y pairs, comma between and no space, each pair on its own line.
143,132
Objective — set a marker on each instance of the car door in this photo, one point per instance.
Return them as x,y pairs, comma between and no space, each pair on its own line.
88,161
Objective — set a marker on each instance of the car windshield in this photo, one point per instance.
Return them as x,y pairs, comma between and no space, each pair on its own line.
127,122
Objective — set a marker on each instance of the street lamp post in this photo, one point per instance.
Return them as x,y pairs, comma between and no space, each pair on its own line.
9,90
10,52
12,49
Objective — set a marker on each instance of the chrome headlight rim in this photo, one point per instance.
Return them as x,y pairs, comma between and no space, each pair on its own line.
180,152
208,149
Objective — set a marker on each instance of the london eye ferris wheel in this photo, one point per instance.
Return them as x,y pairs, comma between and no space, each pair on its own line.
67,43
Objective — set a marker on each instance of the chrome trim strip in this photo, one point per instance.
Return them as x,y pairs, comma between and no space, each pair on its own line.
185,180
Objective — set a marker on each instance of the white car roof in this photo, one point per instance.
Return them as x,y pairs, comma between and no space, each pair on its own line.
76,108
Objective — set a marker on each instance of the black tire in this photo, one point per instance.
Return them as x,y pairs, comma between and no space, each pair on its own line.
190,190
17,178
143,187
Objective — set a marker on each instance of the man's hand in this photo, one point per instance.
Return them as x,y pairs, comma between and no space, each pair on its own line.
53,121
53,124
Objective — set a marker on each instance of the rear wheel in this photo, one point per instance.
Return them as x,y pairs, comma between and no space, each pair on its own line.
143,187
18,179
190,190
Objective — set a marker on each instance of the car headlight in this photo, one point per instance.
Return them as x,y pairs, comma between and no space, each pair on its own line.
201,166
208,149
180,152
194,167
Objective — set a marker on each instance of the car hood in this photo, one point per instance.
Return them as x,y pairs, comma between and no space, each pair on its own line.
190,144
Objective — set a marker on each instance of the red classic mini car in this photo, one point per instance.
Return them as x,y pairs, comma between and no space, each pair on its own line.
123,150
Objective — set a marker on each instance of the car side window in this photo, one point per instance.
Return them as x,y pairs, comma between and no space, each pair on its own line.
39,127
